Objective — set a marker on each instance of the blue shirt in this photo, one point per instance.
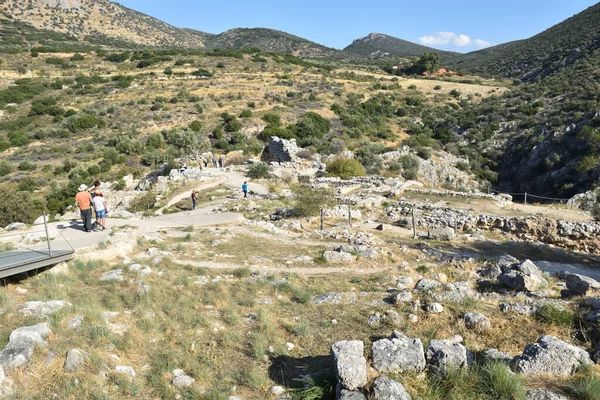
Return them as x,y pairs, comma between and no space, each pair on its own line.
245,187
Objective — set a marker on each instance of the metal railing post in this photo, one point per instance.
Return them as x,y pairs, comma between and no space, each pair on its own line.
47,235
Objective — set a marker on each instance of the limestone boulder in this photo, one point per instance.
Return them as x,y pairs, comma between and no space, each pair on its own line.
444,356
350,364
398,354
21,344
385,388
550,355
524,277
76,358
477,321
581,285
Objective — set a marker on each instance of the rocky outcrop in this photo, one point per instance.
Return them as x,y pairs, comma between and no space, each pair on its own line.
76,358
350,364
477,321
444,356
525,276
398,354
550,355
580,285
444,234
385,388
280,150
42,308
339,257
21,343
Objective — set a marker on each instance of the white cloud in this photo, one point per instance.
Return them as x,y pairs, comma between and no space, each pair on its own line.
437,38
458,40
462,40
482,43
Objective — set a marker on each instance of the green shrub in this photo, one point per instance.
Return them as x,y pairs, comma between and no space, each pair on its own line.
118,57
195,126
259,171
246,114
463,166
77,57
424,152
83,122
27,165
345,168
410,164
202,72
312,125
16,206
55,61
272,119
142,202
5,168
308,201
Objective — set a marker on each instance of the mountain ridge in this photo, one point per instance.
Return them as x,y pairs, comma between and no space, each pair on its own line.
379,44
540,55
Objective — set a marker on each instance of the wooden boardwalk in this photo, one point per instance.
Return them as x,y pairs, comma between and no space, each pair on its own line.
19,261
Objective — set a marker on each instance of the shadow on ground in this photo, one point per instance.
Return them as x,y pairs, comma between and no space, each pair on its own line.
292,372
549,259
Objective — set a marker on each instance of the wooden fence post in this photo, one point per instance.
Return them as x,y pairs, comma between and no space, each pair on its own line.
413,223
322,216
349,216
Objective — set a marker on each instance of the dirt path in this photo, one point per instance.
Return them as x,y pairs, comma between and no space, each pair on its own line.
308,270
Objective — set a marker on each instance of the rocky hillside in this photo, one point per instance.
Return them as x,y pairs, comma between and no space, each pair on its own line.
561,45
273,41
379,45
101,20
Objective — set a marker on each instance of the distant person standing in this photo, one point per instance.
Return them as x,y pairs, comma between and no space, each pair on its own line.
205,163
194,199
101,209
84,202
245,189
221,162
214,161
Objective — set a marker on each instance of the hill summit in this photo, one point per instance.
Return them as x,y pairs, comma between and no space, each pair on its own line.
379,45
99,20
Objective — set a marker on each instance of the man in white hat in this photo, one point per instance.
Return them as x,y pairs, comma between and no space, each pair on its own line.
84,202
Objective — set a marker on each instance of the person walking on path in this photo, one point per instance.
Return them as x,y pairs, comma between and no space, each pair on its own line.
101,209
214,161
84,202
194,199
221,162
245,189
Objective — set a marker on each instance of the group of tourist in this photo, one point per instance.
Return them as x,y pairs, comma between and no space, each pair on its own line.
215,162
92,199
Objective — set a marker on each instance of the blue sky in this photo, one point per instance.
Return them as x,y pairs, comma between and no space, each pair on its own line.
445,24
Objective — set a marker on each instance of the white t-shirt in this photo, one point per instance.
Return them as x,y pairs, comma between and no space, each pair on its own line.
98,203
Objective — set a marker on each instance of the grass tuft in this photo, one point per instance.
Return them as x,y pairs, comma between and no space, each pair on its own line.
551,314
585,386
498,382
320,387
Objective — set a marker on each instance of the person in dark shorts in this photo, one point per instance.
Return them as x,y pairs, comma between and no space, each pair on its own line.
194,199
84,202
